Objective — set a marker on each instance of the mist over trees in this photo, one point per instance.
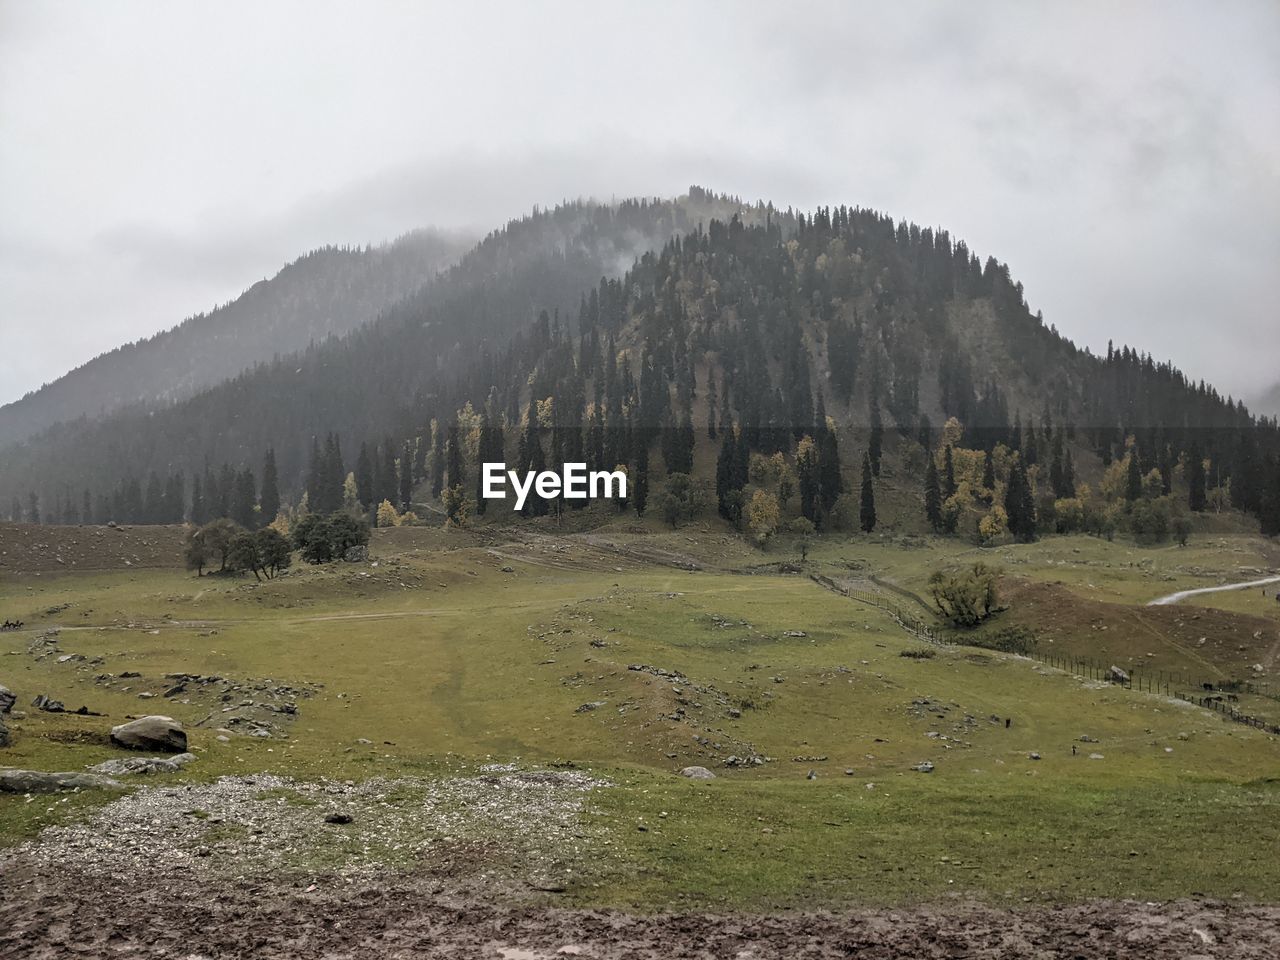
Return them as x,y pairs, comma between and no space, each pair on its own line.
812,344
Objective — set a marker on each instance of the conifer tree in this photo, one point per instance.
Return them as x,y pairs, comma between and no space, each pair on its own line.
364,478
270,499
437,460
932,496
1196,498
1133,478
244,498
877,437
867,513
830,483
948,474
406,476
640,485
1019,504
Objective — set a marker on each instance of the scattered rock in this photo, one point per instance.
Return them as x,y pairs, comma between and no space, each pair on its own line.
36,781
924,767
1033,755
339,818
508,570
7,699
697,773
151,733
143,765
356,554
41,702
4,732
588,707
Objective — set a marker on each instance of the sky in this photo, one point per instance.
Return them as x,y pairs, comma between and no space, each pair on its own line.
157,158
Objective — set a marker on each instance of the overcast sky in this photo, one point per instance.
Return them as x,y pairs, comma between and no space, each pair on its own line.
1123,158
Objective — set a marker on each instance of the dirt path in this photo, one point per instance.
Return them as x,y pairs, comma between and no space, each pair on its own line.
44,917
1184,594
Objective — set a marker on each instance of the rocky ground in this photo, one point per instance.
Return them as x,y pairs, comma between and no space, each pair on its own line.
54,914
471,866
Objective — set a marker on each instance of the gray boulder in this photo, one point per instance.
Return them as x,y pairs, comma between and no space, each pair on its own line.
4,733
924,766
127,766
697,773
1116,675
36,781
7,699
156,733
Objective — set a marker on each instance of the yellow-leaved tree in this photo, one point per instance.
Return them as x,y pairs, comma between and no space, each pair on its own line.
763,515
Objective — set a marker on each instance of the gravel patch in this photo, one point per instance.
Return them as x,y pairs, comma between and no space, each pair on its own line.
270,825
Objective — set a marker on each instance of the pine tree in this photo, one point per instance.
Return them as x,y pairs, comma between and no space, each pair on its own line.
932,496
1196,498
867,513
830,483
1133,478
406,476
1270,513
1019,504
437,460
270,501
640,486
877,437
364,478
453,457
243,500
989,472
948,474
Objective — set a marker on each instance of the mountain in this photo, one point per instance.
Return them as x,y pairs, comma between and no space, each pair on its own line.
838,351
327,292
377,378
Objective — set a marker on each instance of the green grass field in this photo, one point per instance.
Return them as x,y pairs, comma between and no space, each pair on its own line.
442,661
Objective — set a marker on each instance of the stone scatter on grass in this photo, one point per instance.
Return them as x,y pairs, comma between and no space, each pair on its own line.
267,824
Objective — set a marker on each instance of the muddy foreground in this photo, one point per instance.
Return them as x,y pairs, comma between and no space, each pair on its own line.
47,915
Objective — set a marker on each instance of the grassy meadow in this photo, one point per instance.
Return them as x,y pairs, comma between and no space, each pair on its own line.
450,650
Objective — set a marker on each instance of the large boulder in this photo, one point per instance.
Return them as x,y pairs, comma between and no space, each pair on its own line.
4,732
7,699
1116,675
697,773
36,781
142,765
156,733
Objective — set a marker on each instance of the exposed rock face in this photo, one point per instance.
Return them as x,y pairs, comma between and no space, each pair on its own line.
7,699
143,765
155,733
35,781
356,554
697,773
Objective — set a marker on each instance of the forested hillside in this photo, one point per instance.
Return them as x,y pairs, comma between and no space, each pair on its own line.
786,371
329,291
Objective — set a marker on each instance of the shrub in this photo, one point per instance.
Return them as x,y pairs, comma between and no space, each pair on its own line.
322,539
967,598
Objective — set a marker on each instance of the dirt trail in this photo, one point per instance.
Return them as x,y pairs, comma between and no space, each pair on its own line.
1183,594
53,916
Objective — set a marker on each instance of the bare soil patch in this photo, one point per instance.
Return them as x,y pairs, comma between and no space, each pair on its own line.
55,914
32,548
1217,644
